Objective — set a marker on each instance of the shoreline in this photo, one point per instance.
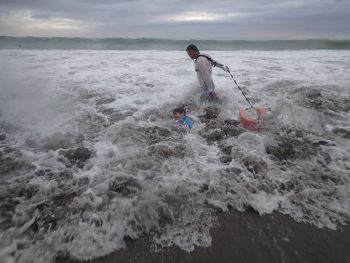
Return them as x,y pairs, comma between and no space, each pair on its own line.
248,237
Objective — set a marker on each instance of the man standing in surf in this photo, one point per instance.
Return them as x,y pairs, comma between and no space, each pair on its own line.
203,67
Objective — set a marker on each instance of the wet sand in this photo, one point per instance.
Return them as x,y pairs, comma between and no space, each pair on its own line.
249,237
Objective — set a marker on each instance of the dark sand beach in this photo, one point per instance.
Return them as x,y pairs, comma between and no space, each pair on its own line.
249,237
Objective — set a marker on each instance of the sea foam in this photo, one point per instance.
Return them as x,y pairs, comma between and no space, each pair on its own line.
90,155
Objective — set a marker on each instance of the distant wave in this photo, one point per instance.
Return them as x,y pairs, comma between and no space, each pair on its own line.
165,44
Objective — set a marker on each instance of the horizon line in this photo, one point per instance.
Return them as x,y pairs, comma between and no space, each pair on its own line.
170,39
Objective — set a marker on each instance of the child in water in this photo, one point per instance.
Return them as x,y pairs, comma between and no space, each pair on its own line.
181,118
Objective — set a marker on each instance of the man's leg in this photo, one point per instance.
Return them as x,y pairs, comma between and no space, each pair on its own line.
213,97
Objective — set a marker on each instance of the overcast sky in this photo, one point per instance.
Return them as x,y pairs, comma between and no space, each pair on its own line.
177,19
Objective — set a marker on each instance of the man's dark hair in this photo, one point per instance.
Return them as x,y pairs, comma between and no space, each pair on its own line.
192,47
180,110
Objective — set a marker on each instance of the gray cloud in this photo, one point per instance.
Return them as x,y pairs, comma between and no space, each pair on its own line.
222,19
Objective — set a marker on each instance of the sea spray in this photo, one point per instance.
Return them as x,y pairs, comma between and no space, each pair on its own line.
98,159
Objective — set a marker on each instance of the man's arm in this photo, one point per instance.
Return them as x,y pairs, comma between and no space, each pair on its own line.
223,67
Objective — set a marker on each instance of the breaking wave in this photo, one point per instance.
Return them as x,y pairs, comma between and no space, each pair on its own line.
90,156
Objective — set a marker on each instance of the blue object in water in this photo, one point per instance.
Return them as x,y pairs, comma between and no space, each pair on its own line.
184,120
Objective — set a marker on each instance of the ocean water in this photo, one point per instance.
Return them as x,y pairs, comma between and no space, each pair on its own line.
167,44
90,155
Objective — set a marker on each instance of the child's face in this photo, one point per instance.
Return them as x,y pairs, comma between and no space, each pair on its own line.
177,115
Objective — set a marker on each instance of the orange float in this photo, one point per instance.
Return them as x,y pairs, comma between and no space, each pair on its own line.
249,122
